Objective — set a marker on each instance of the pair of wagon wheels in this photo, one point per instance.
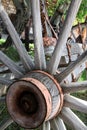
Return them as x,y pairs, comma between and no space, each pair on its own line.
37,96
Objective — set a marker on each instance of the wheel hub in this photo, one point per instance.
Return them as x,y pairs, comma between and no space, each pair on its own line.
34,99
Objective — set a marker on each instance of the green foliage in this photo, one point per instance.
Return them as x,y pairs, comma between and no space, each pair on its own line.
12,53
2,41
31,50
82,13
83,76
51,6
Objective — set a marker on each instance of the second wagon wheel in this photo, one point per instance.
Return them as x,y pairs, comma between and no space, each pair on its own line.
37,97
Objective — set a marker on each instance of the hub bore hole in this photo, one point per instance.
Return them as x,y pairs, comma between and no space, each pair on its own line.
28,103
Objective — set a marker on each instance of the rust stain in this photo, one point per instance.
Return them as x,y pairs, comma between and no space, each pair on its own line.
49,41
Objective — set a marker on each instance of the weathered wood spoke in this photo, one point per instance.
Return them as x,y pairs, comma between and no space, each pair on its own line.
60,124
54,124
11,65
40,62
5,123
46,126
72,120
81,59
55,59
2,99
5,81
57,124
25,58
75,103
73,87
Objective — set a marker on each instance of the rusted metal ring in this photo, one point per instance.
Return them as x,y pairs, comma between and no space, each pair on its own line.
60,105
60,101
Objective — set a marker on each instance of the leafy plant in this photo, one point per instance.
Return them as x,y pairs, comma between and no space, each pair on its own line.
12,53
2,41
82,13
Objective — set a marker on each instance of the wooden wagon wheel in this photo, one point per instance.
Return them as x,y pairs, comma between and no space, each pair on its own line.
37,95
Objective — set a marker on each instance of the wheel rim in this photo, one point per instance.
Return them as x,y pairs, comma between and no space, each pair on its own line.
66,114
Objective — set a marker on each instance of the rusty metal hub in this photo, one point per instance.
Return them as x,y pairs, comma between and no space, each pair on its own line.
34,99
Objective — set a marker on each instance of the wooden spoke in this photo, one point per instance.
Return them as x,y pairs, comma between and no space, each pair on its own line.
60,124
55,59
39,49
2,99
15,69
81,59
25,58
44,126
75,103
73,87
48,125
4,69
2,110
72,120
54,124
5,123
5,81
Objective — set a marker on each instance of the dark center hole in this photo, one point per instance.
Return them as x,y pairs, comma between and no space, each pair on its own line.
28,103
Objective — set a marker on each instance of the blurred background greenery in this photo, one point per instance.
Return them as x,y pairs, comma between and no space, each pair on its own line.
82,13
